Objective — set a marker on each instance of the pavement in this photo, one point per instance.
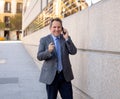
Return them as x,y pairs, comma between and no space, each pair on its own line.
19,75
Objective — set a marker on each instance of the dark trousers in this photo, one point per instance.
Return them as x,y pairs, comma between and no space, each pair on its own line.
59,84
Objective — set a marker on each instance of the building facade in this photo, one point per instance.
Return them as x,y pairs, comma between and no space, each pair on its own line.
8,9
47,9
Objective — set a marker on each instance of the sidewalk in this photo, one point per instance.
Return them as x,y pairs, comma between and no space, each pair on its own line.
19,75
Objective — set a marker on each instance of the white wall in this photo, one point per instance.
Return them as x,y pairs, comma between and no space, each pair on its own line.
31,12
96,66
13,6
1,6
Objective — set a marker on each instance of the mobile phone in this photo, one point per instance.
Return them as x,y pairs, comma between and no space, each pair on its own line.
63,31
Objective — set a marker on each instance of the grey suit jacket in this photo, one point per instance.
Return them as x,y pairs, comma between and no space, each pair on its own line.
49,67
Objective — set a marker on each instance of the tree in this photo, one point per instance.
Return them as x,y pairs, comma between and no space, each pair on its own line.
16,22
2,25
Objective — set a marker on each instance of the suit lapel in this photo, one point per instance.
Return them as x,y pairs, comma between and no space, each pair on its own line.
49,39
61,42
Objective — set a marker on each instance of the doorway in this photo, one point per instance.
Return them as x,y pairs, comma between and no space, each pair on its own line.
7,35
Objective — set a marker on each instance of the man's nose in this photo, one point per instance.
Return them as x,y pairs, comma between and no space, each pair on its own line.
57,29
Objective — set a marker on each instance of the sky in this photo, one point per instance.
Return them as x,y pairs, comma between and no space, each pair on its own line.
93,1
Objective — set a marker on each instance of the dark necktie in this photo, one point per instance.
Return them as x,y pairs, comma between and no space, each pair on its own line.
58,50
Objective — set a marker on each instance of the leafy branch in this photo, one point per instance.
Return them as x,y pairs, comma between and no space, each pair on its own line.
16,22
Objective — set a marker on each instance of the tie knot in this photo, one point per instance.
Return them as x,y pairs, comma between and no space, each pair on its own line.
57,38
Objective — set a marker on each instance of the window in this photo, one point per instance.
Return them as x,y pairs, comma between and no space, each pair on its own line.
55,8
19,7
7,7
7,21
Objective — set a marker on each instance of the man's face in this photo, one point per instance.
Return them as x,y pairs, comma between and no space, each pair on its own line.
56,28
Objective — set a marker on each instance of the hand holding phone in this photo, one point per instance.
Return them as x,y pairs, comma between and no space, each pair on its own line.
63,31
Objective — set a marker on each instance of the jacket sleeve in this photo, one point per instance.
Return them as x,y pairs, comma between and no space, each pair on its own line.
43,53
71,47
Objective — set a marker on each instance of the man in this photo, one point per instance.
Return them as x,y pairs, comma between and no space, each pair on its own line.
56,71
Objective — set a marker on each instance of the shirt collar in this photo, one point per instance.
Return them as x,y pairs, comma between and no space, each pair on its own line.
54,37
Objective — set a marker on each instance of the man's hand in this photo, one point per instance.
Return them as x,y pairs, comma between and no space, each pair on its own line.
66,34
51,47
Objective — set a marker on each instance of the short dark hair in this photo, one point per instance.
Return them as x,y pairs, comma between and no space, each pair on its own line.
55,19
